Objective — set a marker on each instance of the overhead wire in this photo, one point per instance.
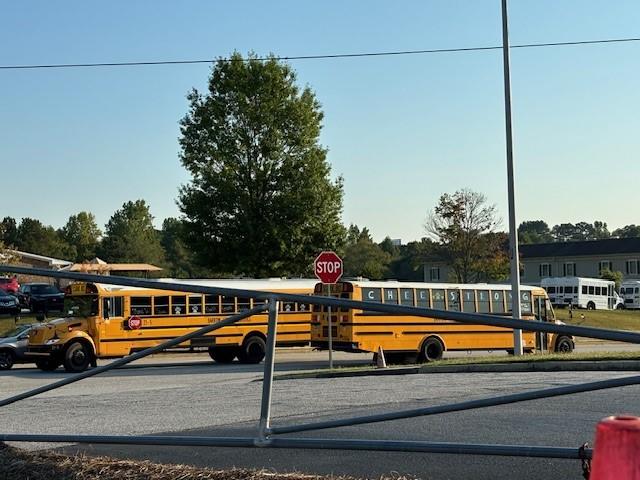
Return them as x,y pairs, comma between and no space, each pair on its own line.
315,57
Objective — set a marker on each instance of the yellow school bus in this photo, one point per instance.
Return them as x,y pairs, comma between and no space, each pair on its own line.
407,338
106,321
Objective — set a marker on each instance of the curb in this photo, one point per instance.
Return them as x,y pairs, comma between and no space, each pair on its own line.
551,366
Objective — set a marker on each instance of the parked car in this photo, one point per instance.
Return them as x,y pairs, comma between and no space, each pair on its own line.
9,284
13,346
9,303
41,297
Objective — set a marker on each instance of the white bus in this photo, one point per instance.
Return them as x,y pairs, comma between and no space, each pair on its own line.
579,292
630,291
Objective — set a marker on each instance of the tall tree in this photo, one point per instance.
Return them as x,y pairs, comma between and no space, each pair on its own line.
460,224
130,236
83,234
179,259
628,231
34,237
261,200
534,231
9,231
363,257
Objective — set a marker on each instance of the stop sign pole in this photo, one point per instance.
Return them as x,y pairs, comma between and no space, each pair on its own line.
328,268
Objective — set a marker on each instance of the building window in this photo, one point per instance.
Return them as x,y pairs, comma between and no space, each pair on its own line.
434,274
604,265
545,270
632,267
569,269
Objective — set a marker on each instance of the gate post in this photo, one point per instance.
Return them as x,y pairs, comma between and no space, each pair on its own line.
616,454
267,381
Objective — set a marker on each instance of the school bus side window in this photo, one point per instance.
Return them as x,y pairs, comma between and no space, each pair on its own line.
195,304
140,305
438,299
469,300
422,297
228,304
112,307
483,301
497,301
178,304
161,305
211,304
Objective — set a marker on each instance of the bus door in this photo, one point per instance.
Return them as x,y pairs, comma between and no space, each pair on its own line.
541,315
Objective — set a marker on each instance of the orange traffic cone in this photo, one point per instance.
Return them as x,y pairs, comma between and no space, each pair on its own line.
380,361
616,453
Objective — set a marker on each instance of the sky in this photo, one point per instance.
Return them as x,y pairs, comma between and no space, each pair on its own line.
400,130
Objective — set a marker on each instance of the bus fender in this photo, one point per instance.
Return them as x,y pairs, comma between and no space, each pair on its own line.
80,336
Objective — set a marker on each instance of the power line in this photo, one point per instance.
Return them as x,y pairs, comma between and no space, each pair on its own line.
314,57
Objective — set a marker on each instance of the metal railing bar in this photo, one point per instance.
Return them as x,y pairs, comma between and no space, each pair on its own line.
485,319
461,406
310,443
169,440
431,447
135,356
267,382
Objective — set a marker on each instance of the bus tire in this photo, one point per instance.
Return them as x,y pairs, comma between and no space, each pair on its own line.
431,350
620,306
591,306
222,354
77,357
564,345
47,364
7,359
253,349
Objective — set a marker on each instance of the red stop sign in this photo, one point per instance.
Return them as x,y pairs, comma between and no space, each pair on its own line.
134,322
328,267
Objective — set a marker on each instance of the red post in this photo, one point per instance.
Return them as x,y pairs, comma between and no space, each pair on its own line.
616,453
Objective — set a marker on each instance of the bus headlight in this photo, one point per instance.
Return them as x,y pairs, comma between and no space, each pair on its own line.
52,341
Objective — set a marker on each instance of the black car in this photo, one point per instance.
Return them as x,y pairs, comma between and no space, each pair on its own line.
41,297
9,303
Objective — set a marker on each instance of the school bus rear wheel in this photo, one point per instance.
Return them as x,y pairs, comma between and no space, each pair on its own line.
253,349
432,350
223,354
77,357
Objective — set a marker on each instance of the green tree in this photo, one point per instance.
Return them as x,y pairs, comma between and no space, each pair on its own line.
628,231
130,236
82,233
569,232
261,201
9,231
34,237
534,231
362,257
408,263
459,224
179,259
614,276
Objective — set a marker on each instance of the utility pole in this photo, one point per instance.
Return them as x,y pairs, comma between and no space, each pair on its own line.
513,232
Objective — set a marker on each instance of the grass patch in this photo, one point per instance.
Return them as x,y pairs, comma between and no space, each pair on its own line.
613,319
16,464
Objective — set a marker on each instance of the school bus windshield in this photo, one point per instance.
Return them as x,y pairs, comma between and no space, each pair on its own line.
81,306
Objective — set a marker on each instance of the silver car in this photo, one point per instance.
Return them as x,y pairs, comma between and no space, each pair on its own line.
13,346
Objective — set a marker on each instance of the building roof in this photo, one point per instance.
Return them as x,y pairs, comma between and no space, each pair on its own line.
53,262
610,246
